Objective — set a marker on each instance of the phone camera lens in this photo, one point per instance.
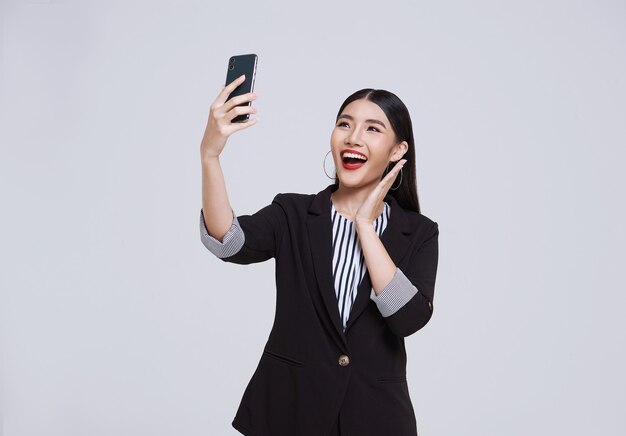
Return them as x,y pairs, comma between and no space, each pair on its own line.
231,67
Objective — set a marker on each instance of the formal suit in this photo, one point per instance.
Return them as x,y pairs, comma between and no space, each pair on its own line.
312,372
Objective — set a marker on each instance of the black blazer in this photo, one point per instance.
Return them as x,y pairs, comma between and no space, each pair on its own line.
311,373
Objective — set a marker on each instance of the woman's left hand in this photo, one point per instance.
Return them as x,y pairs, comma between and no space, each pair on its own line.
367,213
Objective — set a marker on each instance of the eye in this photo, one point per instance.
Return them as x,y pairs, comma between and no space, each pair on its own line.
342,124
373,128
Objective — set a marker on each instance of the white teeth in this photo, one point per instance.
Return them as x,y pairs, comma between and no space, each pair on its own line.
354,155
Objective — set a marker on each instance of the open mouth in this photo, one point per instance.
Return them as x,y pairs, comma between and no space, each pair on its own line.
352,160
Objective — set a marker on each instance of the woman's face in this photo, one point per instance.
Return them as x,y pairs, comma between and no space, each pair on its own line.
363,143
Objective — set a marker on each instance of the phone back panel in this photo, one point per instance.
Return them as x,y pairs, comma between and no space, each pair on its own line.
238,65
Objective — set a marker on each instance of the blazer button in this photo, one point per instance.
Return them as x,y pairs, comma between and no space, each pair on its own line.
344,360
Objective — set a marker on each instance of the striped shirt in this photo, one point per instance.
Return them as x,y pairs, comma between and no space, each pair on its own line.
348,262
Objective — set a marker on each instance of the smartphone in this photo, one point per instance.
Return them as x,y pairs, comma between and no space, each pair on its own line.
238,65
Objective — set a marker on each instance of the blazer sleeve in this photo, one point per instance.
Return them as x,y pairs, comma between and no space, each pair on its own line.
258,235
231,242
421,273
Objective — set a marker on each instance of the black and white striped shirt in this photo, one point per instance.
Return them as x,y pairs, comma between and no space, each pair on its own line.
348,262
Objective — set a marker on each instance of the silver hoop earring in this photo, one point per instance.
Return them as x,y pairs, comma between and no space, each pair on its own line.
324,166
399,184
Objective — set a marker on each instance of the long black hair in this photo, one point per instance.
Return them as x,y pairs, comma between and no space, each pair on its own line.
398,115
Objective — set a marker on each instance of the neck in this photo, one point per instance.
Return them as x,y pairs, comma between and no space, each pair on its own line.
347,200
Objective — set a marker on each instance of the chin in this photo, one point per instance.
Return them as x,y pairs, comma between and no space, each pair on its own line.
352,183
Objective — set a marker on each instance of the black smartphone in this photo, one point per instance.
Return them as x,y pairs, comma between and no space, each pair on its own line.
238,65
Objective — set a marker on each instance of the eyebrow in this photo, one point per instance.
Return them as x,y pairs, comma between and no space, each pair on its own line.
349,117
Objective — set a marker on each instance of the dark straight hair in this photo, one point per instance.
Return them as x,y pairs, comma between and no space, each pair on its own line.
398,115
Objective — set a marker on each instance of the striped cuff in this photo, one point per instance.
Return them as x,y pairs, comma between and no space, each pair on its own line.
395,295
231,243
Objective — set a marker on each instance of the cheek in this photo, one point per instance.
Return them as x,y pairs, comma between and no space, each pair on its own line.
378,167
335,144
381,153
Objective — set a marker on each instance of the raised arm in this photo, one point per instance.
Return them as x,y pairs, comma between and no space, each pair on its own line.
404,298
216,208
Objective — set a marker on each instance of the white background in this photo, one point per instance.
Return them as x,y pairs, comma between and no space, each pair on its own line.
115,318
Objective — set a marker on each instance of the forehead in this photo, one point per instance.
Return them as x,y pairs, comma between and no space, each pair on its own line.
365,109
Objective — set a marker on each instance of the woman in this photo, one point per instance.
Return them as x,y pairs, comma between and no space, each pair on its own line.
355,274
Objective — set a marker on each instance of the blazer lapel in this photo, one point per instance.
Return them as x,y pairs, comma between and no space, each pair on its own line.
319,226
320,236
396,242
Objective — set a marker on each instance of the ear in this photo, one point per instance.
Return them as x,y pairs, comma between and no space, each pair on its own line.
398,151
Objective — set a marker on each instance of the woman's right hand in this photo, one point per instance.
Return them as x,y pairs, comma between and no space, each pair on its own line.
219,126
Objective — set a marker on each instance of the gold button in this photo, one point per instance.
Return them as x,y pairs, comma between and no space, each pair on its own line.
344,360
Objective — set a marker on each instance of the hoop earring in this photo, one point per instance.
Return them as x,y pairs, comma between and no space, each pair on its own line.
324,166
399,184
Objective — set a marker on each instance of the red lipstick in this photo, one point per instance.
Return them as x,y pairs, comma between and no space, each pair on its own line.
354,162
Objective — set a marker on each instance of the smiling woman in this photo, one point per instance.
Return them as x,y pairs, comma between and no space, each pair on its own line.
378,119
356,265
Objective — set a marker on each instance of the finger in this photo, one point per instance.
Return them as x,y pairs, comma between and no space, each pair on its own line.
396,169
239,110
390,178
398,166
391,175
235,101
228,89
235,127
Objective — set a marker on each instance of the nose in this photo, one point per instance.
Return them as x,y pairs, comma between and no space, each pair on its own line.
354,138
